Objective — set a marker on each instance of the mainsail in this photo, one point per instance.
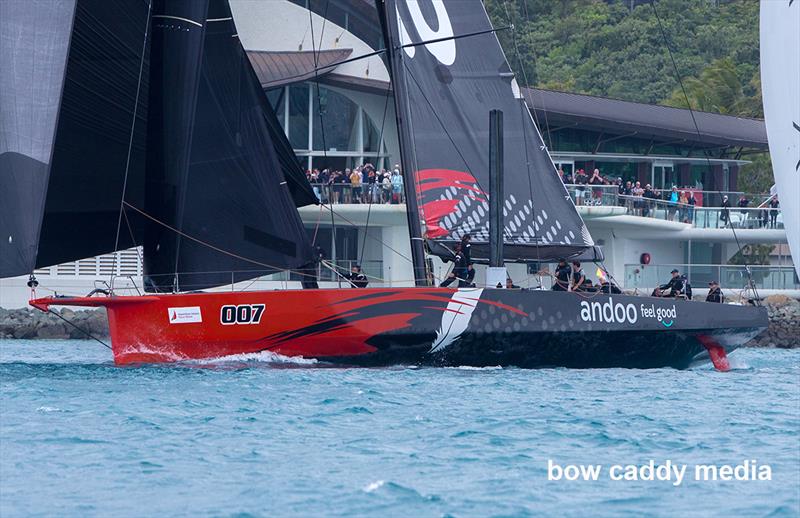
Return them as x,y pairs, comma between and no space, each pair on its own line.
213,173
444,91
152,106
780,86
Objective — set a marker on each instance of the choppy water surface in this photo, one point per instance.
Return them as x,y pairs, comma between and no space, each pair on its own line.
257,436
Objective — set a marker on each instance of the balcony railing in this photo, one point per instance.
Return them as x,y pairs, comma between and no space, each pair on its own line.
656,208
765,277
339,193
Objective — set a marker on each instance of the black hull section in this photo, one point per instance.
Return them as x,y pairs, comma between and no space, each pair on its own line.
540,329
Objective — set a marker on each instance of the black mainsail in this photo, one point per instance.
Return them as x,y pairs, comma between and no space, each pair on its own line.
213,173
445,90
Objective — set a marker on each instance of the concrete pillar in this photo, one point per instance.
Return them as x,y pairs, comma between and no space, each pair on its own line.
717,180
643,172
684,174
733,177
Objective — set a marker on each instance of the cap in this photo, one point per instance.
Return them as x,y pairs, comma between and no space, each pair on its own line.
675,270
713,283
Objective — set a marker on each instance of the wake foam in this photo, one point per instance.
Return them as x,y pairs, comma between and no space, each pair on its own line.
260,357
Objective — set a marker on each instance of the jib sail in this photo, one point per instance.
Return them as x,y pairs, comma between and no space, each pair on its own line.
445,90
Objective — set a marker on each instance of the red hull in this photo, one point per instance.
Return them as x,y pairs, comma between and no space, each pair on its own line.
320,323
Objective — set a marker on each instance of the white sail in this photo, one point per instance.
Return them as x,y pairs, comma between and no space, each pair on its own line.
780,86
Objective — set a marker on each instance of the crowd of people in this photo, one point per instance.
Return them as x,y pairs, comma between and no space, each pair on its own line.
679,203
362,184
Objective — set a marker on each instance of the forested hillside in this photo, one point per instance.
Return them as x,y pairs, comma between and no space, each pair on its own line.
607,48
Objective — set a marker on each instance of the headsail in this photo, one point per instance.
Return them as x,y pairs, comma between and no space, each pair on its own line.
213,171
66,122
449,86
780,85
34,42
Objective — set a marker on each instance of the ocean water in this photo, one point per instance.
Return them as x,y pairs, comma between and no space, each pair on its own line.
262,436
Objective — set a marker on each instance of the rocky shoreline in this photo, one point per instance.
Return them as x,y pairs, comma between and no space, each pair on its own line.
783,331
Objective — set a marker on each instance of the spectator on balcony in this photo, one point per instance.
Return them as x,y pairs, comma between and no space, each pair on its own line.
371,179
638,193
355,182
714,293
743,203
691,201
773,211
357,277
683,207
386,187
725,207
673,203
597,192
397,186
650,195
580,190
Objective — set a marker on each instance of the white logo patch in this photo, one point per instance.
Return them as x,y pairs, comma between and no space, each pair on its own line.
187,315
456,317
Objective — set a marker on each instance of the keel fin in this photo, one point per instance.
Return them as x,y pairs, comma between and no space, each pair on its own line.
716,352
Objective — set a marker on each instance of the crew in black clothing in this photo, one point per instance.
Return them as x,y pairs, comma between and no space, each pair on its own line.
609,287
466,251
714,293
357,278
563,274
459,270
671,289
578,277
510,284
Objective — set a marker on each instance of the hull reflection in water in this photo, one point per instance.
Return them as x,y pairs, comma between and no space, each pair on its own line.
427,326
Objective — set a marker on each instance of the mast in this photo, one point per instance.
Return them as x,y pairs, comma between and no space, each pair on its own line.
496,181
402,116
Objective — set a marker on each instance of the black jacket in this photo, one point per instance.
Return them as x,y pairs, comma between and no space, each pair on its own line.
675,286
359,280
715,295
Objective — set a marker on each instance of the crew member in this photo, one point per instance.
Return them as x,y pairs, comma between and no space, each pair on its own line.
671,289
459,270
510,284
714,293
578,277
466,251
357,278
609,287
563,274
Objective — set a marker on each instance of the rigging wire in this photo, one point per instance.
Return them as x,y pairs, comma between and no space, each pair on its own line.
380,148
522,107
726,210
133,127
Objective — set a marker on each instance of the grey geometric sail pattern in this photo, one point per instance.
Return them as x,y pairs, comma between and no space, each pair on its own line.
448,88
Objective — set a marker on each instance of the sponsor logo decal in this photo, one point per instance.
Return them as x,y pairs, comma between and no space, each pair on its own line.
242,314
619,313
188,315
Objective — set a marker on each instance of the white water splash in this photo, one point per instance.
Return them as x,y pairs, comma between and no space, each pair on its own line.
48,409
263,356
369,488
